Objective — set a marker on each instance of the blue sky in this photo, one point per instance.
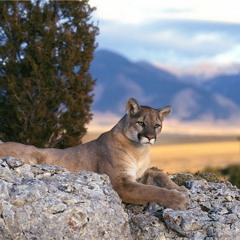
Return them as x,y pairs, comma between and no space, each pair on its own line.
186,35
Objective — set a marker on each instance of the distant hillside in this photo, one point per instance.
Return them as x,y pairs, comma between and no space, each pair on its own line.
227,85
119,79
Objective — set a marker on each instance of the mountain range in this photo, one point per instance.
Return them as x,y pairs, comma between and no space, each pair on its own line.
118,79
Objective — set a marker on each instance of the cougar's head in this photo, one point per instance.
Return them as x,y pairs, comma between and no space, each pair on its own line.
144,123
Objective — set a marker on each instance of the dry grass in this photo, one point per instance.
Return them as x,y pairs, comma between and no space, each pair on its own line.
189,146
190,153
195,157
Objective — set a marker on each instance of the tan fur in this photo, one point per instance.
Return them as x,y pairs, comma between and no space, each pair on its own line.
122,153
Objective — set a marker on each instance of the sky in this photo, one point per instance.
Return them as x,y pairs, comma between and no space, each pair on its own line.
180,35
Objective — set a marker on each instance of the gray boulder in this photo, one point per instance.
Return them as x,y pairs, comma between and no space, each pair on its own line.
48,202
214,214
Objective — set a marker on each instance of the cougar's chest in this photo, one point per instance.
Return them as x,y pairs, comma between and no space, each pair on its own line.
142,164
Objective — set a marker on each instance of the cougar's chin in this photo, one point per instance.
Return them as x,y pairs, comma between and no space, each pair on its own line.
146,141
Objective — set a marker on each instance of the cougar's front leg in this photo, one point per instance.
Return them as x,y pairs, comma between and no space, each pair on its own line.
134,192
158,178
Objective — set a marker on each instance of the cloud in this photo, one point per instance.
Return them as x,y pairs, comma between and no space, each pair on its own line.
202,71
232,55
138,12
185,43
185,33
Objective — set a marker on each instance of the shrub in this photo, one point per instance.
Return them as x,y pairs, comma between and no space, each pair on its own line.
46,48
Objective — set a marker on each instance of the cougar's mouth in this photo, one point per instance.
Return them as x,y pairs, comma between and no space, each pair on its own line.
145,140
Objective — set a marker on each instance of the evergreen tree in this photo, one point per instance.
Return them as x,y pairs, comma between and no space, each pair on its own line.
46,48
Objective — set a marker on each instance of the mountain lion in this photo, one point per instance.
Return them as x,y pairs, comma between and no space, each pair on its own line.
122,153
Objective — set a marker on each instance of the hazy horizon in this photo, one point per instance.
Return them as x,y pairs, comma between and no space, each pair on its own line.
183,35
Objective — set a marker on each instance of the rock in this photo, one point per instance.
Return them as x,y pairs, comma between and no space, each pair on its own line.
214,214
48,202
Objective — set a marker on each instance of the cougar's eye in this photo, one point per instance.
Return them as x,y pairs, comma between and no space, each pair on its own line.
142,124
157,125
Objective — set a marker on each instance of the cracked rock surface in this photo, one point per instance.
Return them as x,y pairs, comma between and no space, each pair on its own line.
48,202
214,214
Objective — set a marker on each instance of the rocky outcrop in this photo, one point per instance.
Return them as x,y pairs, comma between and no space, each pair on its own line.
48,202
214,214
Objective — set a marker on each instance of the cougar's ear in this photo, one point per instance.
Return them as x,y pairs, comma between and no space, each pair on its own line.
163,112
132,106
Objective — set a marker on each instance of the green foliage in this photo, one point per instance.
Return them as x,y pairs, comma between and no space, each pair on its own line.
46,48
208,176
230,173
233,174
181,178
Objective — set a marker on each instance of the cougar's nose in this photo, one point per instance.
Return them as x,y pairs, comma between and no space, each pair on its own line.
150,137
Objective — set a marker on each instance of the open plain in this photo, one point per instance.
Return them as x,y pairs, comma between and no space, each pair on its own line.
178,152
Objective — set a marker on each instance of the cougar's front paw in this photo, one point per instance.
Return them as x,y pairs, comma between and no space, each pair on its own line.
178,200
183,190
